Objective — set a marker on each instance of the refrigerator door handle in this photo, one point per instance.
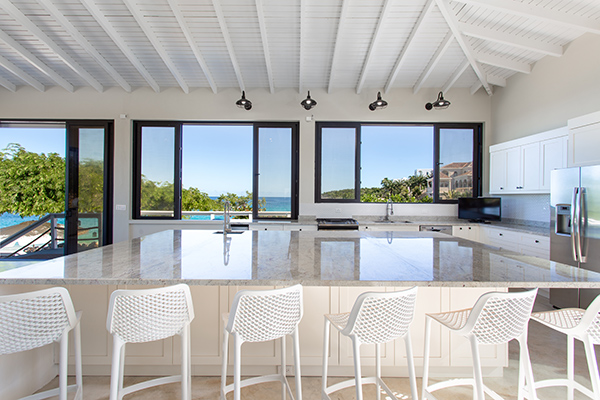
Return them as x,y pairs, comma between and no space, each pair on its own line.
574,226
581,224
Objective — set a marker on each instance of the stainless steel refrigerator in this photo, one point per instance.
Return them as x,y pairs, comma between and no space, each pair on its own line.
575,228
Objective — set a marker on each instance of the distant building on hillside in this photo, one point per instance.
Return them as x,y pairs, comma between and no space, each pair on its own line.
424,172
456,180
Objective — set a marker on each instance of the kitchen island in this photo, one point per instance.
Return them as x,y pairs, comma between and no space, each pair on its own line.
333,266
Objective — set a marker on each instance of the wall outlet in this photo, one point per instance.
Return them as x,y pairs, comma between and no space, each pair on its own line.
338,210
120,207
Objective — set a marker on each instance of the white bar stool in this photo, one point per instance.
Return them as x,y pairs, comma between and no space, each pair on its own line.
496,318
138,316
259,316
576,324
375,318
35,319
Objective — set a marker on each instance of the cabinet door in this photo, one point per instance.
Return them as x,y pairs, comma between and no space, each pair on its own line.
553,154
514,178
530,167
583,145
498,171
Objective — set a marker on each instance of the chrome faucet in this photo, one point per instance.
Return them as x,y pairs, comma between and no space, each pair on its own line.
389,209
226,217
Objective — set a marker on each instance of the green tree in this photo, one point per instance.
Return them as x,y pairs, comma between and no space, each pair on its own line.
91,186
30,183
193,199
156,195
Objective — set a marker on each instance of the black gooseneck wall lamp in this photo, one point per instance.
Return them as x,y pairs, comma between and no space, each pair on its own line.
243,102
439,104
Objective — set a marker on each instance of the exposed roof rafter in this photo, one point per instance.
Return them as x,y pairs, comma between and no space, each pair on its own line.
302,40
10,86
496,80
503,62
521,42
110,30
530,10
338,39
21,74
385,12
36,62
464,45
409,43
228,42
160,49
442,48
457,74
15,13
83,42
263,35
192,43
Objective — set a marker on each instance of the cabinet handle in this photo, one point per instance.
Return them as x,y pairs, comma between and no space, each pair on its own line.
537,241
499,234
501,188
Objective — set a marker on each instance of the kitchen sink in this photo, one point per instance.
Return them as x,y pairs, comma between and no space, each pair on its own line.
393,222
229,233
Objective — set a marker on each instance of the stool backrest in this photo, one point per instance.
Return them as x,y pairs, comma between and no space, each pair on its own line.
261,315
378,317
500,317
34,319
146,315
590,321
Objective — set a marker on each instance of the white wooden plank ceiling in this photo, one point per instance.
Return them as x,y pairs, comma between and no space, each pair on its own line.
276,44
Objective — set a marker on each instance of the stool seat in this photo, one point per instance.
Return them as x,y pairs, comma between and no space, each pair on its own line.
583,325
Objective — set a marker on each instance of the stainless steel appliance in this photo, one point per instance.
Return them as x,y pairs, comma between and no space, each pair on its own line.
575,228
447,229
337,223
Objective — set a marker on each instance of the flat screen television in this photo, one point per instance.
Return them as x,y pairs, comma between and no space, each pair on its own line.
479,209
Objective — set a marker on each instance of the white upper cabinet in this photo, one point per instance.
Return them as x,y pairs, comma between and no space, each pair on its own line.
584,140
523,165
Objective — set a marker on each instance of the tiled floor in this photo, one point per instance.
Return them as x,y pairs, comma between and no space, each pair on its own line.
547,348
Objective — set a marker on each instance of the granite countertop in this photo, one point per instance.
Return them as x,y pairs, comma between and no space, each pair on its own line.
312,258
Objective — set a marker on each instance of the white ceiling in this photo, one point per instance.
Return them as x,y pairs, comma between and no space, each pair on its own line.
275,44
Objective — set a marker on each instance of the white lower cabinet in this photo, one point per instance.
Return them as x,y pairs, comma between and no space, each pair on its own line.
469,232
524,243
211,302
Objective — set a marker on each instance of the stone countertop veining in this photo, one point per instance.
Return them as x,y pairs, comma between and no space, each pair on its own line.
312,258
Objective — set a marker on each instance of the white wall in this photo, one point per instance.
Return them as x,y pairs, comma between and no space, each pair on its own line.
203,105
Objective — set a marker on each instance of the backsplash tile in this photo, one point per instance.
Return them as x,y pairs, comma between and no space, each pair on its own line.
526,207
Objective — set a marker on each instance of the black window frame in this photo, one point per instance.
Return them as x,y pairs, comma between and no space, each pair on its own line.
178,167
477,156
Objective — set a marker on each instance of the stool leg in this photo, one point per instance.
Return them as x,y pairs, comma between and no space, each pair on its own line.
425,380
325,357
115,369
185,364
411,366
525,369
478,387
377,370
78,366
296,339
283,369
224,362
571,366
357,372
237,367
592,364
62,366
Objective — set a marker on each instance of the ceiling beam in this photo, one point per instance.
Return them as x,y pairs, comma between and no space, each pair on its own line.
518,41
385,13
338,39
452,22
228,43
192,43
301,56
441,50
83,42
110,30
496,80
36,62
10,86
540,13
15,13
476,86
263,35
457,74
503,62
21,74
156,43
409,43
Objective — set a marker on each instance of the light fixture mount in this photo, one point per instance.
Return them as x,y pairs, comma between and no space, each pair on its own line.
308,102
439,104
243,102
379,103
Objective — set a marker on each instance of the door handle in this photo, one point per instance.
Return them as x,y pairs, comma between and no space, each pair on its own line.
581,224
574,228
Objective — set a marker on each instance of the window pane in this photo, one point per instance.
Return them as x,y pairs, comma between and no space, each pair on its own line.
456,163
338,152
274,172
396,163
157,195
216,166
